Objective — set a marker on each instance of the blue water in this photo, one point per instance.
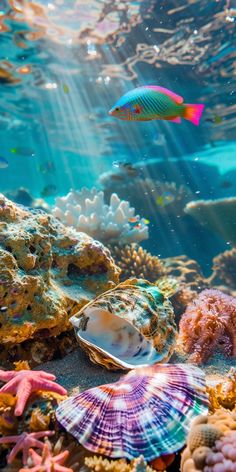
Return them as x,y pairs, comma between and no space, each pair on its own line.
63,66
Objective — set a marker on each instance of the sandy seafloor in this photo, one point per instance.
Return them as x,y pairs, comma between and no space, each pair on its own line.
77,373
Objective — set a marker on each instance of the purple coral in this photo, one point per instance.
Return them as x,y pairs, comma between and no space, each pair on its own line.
223,456
209,324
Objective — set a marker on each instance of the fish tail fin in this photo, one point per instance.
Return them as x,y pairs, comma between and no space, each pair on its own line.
193,112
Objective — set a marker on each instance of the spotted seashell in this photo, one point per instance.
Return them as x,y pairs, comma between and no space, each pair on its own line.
148,412
130,326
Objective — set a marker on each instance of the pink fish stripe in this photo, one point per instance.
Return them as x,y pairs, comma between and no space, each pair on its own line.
193,112
174,96
175,120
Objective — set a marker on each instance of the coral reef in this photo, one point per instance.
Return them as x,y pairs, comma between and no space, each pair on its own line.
86,211
134,261
47,272
189,282
223,393
146,412
23,382
208,436
22,196
129,326
224,268
153,190
216,215
208,325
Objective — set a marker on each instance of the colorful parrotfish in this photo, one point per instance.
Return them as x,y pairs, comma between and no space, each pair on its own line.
151,102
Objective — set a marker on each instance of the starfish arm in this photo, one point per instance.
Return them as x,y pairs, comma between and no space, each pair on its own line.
49,386
9,439
41,434
34,469
6,375
60,458
23,393
61,468
10,386
19,445
46,375
36,458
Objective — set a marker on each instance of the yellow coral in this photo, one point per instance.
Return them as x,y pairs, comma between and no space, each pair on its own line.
99,464
39,421
21,365
134,261
223,394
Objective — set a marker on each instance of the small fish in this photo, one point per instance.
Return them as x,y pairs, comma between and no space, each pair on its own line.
226,184
146,222
47,167
23,151
3,163
126,167
216,119
138,226
133,219
164,199
65,88
48,190
151,102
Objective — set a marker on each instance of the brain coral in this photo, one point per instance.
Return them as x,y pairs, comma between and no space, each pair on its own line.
47,272
224,268
208,325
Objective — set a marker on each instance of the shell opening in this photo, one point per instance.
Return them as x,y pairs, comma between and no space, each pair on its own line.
116,338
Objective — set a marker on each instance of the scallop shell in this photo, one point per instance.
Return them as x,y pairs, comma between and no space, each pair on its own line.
130,326
148,412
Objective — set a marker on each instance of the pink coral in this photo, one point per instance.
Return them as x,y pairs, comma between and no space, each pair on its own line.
223,456
208,324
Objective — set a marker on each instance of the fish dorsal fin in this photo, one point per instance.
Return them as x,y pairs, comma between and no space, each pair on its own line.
174,96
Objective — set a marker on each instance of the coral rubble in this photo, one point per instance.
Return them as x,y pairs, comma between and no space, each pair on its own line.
208,325
216,215
86,211
47,272
134,261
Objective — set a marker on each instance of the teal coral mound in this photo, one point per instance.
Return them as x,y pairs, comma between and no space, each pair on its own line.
129,326
47,272
146,412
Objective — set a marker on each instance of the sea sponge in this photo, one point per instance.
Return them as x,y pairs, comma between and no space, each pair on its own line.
224,268
47,272
86,211
134,261
208,325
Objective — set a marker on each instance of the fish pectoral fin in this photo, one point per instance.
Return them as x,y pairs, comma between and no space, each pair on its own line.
174,120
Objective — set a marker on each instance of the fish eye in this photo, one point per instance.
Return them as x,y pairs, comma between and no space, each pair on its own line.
117,109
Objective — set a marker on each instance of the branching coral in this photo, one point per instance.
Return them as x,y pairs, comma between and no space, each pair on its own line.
224,268
99,464
208,325
223,394
134,261
86,211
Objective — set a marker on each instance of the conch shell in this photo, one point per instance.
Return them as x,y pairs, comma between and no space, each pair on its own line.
129,326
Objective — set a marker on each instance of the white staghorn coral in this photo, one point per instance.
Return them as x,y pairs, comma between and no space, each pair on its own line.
86,211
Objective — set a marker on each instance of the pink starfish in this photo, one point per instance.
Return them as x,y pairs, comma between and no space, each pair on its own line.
24,442
47,462
24,382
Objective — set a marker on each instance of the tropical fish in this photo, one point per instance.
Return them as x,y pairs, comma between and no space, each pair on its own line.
165,199
151,102
216,119
126,167
49,190
3,163
23,151
133,219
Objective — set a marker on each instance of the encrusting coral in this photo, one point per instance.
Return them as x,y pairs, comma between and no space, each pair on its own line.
211,444
99,464
208,325
87,211
224,268
47,272
134,261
